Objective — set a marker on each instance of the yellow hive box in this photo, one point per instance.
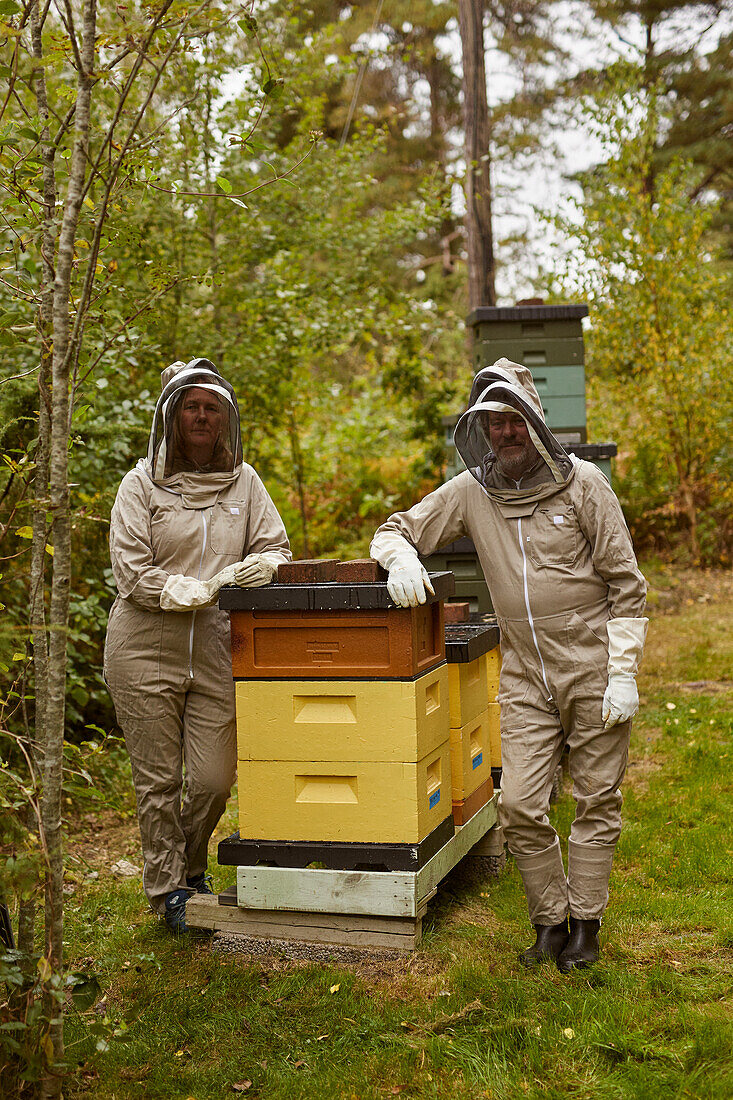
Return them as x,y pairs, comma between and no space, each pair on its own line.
468,689
494,735
493,668
470,756
359,802
386,720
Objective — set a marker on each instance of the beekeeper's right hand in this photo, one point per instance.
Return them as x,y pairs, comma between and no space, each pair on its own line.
408,581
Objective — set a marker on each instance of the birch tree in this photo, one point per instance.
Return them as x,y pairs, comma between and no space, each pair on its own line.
88,95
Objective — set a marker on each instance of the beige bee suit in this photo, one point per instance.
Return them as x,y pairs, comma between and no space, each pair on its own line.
559,563
169,672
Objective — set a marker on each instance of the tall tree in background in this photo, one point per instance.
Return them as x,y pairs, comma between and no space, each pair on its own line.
701,129
679,51
481,267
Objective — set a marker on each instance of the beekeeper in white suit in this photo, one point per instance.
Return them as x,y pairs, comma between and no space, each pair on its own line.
569,598
188,519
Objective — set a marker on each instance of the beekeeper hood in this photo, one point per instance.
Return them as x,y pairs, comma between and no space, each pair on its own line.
164,459
507,387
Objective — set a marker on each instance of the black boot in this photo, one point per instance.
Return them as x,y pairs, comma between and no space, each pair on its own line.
583,948
551,940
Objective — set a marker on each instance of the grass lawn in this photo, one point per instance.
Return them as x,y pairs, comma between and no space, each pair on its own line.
460,1018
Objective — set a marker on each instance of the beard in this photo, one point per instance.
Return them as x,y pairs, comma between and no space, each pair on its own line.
516,461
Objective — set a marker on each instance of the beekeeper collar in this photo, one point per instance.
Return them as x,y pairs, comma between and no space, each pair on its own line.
161,459
499,393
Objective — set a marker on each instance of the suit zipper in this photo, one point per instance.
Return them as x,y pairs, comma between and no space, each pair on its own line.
529,609
198,577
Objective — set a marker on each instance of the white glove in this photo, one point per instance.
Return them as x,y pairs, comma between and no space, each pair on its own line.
620,701
255,571
625,645
186,593
408,580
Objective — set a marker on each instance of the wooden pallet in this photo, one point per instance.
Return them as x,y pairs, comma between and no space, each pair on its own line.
373,909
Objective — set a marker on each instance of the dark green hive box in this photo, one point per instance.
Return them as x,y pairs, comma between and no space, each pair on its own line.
549,341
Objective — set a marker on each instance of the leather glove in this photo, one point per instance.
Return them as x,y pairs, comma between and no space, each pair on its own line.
255,571
186,593
408,581
625,645
621,700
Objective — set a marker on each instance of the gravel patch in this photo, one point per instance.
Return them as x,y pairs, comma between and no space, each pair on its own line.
235,943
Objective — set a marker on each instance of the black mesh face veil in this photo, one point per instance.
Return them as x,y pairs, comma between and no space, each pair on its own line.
164,451
472,438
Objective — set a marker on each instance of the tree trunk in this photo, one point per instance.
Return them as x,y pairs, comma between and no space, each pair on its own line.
299,479
212,235
481,291
61,574
37,617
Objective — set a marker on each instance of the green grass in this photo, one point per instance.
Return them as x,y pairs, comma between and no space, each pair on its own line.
653,1020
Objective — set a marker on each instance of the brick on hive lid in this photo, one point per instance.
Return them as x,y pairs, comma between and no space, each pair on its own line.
456,612
308,571
360,571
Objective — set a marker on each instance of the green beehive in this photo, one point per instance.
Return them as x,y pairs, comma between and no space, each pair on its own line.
548,340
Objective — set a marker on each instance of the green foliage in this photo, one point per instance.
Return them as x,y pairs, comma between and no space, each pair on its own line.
661,335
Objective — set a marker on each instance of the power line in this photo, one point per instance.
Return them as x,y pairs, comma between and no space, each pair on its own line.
359,78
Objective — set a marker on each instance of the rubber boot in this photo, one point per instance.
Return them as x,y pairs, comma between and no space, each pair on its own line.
550,942
201,883
583,948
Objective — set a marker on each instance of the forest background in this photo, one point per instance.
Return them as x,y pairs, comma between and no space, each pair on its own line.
279,186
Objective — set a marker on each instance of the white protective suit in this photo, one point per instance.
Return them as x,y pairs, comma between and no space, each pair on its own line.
559,564
169,671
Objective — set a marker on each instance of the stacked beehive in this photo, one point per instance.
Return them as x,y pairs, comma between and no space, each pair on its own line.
474,662
343,721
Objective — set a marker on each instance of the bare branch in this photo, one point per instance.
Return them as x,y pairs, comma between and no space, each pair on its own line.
121,328
15,377
240,194
68,20
74,346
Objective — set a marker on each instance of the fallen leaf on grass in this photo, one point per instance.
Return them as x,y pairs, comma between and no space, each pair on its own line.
242,1086
335,988
299,1064
444,1022
134,1073
568,1033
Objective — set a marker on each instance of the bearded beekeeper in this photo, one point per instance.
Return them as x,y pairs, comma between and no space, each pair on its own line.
188,519
569,598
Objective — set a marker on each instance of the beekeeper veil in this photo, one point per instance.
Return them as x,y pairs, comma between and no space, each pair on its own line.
166,455
507,388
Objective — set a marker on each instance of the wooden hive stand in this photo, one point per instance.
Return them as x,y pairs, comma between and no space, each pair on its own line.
366,909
